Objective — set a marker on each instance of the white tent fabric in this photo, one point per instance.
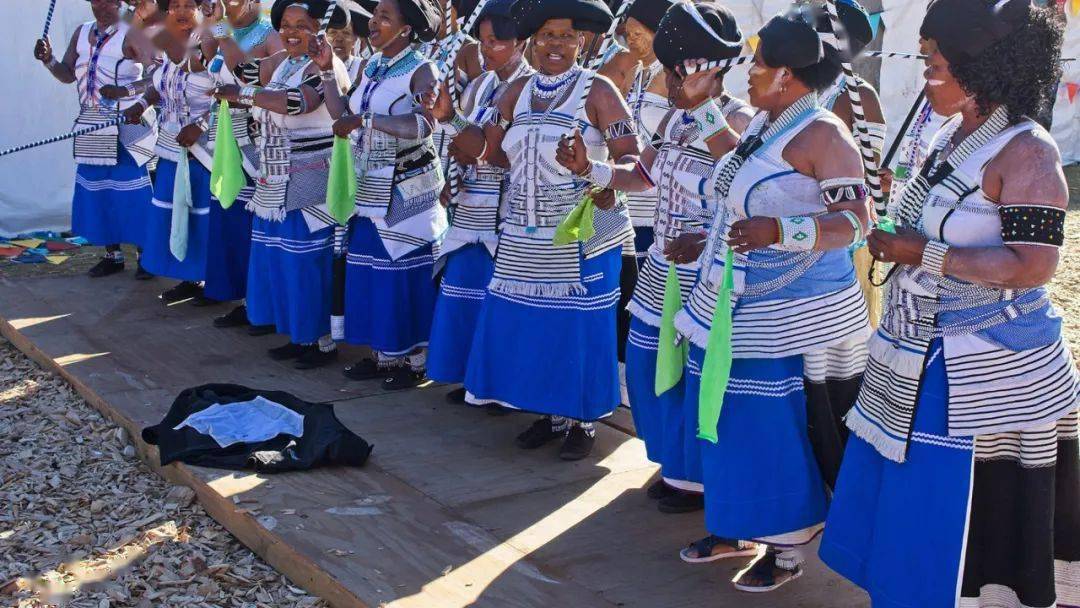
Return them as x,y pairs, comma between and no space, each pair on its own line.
37,184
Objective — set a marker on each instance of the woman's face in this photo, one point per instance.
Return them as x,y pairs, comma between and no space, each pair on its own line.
235,9
105,11
639,38
387,24
765,83
342,40
182,16
297,29
497,53
943,92
556,46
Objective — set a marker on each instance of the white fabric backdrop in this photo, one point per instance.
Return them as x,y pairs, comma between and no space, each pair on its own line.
35,186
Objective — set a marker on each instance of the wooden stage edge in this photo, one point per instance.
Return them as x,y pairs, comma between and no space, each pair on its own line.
301,571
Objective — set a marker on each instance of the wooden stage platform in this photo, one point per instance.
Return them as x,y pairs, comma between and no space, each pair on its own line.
447,513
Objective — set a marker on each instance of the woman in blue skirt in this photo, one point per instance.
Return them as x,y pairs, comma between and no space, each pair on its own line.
389,282
106,59
234,48
543,341
289,272
467,252
679,219
791,201
176,234
960,487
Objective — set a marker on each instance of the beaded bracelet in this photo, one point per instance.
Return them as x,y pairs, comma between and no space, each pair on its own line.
798,233
220,31
599,173
710,120
933,257
247,95
328,75
855,223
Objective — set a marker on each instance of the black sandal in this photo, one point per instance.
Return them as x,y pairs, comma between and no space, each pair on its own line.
703,550
764,570
403,378
659,489
366,369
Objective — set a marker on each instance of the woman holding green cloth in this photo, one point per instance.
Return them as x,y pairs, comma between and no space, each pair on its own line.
791,199
680,218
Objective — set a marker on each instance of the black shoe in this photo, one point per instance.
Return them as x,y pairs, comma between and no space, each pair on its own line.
142,274
538,435
578,444
402,378
315,357
456,396
260,330
236,317
366,369
494,409
681,502
659,490
184,290
201,301
286,352
106,267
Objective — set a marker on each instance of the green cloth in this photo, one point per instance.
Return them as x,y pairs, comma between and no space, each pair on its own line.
227,174
341,185
578,224
886,224
181,207
716,370
671,354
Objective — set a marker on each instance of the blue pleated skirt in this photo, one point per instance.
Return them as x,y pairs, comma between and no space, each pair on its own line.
156,257
289,277
551,355
897,530
228,250
110,204
670,439
761,477
643,240
388,303
461,295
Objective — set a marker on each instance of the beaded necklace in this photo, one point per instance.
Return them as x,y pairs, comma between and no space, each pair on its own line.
550,87
101,38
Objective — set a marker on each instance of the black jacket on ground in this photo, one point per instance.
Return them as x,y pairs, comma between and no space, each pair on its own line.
326,441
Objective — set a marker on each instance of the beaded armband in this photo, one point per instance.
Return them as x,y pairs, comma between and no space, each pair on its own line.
933,257
620,128
247,95
1032,225
248,72
843,189
798,233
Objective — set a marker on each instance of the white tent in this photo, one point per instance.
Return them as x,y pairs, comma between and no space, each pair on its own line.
35,186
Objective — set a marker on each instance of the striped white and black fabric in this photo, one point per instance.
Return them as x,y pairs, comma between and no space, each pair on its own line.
527,263
102,146
1023,547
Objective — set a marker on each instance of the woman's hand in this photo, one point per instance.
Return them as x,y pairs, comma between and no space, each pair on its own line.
43,50
685,248
227,92
189,135
904,247
572,154
696,86
133,115
113,92
320,52
347,124
442,109
468,146
753,233
603,198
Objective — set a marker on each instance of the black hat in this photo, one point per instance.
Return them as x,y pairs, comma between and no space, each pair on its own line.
495,8
963,29
791,41
858,31
649,12
703,30
465,8
423,15
360,12
315,8
587,15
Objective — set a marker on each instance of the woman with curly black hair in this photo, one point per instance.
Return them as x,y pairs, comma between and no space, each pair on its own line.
960,487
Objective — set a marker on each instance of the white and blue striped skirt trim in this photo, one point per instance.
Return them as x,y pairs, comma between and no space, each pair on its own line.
553,355
461,295
290,277
110,203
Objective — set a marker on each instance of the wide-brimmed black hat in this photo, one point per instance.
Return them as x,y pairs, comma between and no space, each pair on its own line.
649,12
963,29
791,40
587,15
315,8
703,30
